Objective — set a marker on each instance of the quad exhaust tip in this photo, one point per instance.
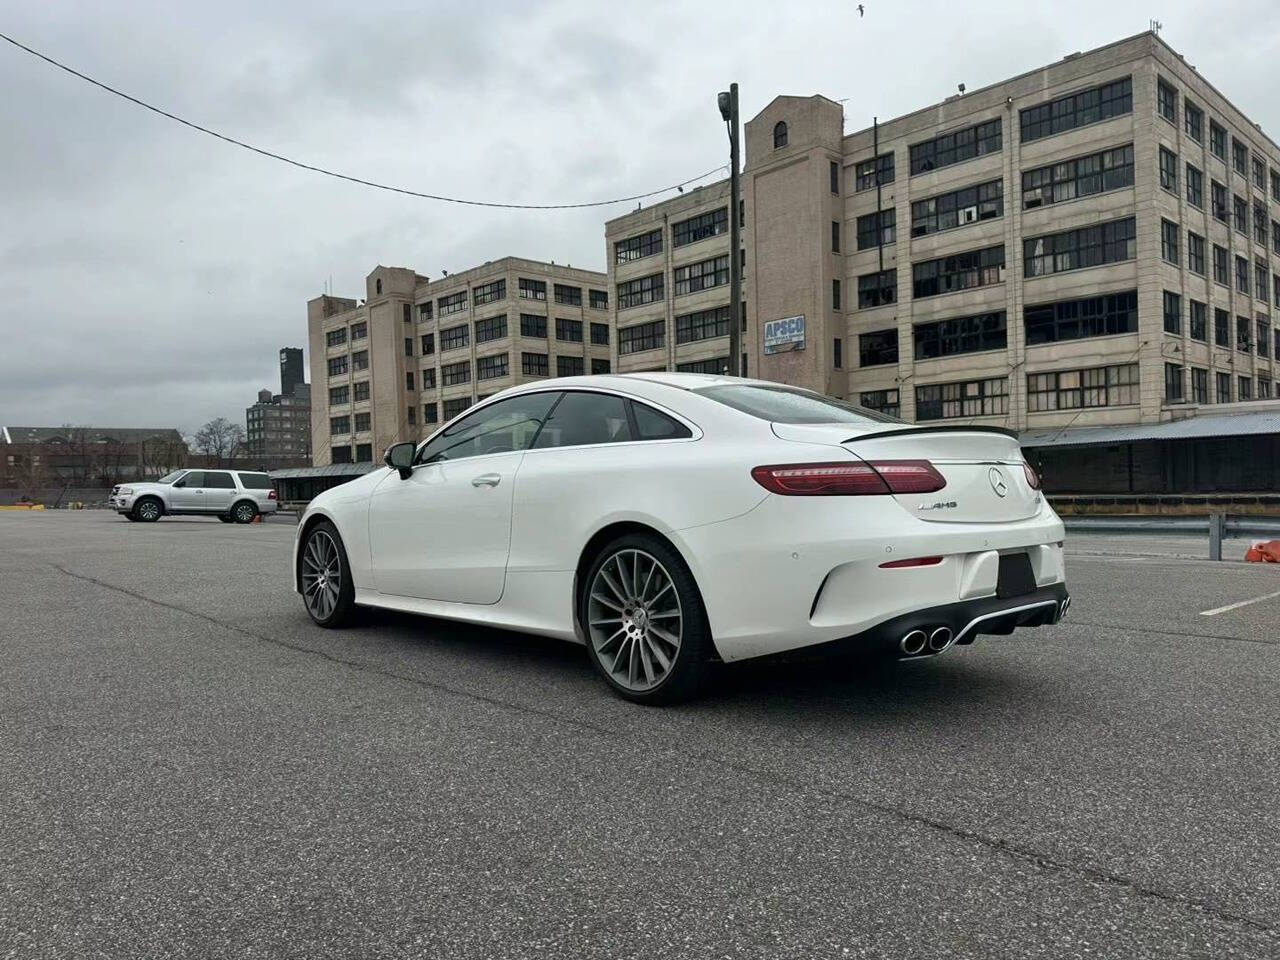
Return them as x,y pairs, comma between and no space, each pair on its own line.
913,643
940,639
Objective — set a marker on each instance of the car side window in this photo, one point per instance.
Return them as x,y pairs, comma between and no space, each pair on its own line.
652,425
255,481
498,428
585,418
193,479
218,480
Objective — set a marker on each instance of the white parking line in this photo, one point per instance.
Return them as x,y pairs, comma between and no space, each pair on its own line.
1234,606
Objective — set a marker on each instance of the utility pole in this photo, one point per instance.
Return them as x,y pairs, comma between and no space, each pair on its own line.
728,103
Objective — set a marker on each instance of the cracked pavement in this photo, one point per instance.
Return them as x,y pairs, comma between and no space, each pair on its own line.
189,768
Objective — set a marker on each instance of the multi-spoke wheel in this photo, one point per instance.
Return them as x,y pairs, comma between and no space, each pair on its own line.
147,510
325,578
244,512
646,630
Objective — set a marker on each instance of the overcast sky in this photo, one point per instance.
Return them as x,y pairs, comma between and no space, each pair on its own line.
149,273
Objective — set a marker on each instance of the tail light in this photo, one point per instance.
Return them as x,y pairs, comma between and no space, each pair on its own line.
913,562
1033,478
272,494
849,479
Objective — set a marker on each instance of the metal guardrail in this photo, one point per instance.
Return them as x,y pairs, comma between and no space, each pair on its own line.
1217,527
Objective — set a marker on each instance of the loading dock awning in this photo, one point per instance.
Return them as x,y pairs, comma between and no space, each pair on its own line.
1200,427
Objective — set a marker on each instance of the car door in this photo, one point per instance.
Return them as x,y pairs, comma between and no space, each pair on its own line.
219,488
187,493
443,532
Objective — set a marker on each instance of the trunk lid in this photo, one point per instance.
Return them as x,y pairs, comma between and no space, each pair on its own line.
982,467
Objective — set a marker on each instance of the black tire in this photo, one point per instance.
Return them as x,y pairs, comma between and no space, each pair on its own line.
147,509
244,512
225,519
130,517
690,665
342,611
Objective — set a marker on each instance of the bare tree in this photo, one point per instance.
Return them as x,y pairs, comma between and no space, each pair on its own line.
81,449
219,439
160,455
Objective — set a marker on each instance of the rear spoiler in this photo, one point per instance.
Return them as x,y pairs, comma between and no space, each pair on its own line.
905,431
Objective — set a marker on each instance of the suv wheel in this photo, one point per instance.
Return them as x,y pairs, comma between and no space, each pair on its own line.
225,519
244,512
148,510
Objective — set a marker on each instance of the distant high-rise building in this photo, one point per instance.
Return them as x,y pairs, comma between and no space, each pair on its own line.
292,371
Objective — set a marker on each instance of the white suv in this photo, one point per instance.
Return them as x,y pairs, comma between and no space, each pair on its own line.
233,496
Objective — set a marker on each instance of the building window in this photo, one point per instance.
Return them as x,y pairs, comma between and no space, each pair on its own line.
1195,187
453,303
837,353
877,289
877,229
359,330
1193,118
408,379
703,325
337,366
566,294
946,338
407,312
1221,271
598,300
454,338
1168,170
455,373
1172,383
569,366
1275,236
532,289
491,328
534,364
452,408
878,348
1244,335
362,422
1259,173
1100,316
642,290
1222,328
1219,192
701,276
1240,157
1077,110
1260,223
701,227
835,294
424,311
491,367
884,401
984,201
969,398
1199,321
1264,388
1275,284
1261,281
339,395
1224,388
489,293
779,135
600,334
1167,101
713,365
1218,141
408,346
340,455
1264,337
377,286
1080,177
1114,386
638,247
835,236
1199,385
570,331
1077,249
956,147
1195,253
1245,390
834,169
1169,241
336,338
865,173
360,391
1172,313
428,344
599,366
339,425
533,325
1275,186
642,336
429,378
1242,275
963,271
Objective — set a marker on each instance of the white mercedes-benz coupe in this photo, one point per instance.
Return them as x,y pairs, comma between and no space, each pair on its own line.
669,520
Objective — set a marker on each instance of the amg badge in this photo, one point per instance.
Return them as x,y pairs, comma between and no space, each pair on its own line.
940,505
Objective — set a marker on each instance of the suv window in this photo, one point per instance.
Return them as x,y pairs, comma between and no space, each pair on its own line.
218,480
194,478
585,418
498,428
255,481
652,425
789,405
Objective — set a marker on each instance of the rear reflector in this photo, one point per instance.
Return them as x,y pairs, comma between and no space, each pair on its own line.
1032,477
846,479
913,562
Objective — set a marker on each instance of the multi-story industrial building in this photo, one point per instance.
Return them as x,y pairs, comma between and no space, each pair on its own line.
279,425
417,352
1093,242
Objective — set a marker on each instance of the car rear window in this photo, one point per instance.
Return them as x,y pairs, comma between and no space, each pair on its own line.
788,405
255,481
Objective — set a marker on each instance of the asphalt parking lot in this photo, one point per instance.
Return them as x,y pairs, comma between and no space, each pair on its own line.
188,768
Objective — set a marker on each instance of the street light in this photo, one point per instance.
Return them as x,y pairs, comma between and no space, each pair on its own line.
728,103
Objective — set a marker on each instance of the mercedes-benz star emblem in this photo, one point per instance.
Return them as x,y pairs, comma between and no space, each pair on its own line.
997,482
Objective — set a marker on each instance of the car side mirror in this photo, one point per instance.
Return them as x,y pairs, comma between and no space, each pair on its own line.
180,483
399,456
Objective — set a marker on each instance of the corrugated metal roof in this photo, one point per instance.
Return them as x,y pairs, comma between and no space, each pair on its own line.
1192,428
329,470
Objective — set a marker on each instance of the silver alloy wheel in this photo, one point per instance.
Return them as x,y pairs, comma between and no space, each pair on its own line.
244,513
149,510
634,619
321,575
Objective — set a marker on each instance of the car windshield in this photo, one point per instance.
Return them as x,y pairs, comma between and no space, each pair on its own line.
789,405
170,477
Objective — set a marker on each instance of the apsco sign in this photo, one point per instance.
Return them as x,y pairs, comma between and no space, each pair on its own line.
783,335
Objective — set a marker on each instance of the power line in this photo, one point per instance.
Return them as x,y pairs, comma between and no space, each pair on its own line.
343,176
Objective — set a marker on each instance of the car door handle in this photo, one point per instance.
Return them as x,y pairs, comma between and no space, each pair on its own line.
486,480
